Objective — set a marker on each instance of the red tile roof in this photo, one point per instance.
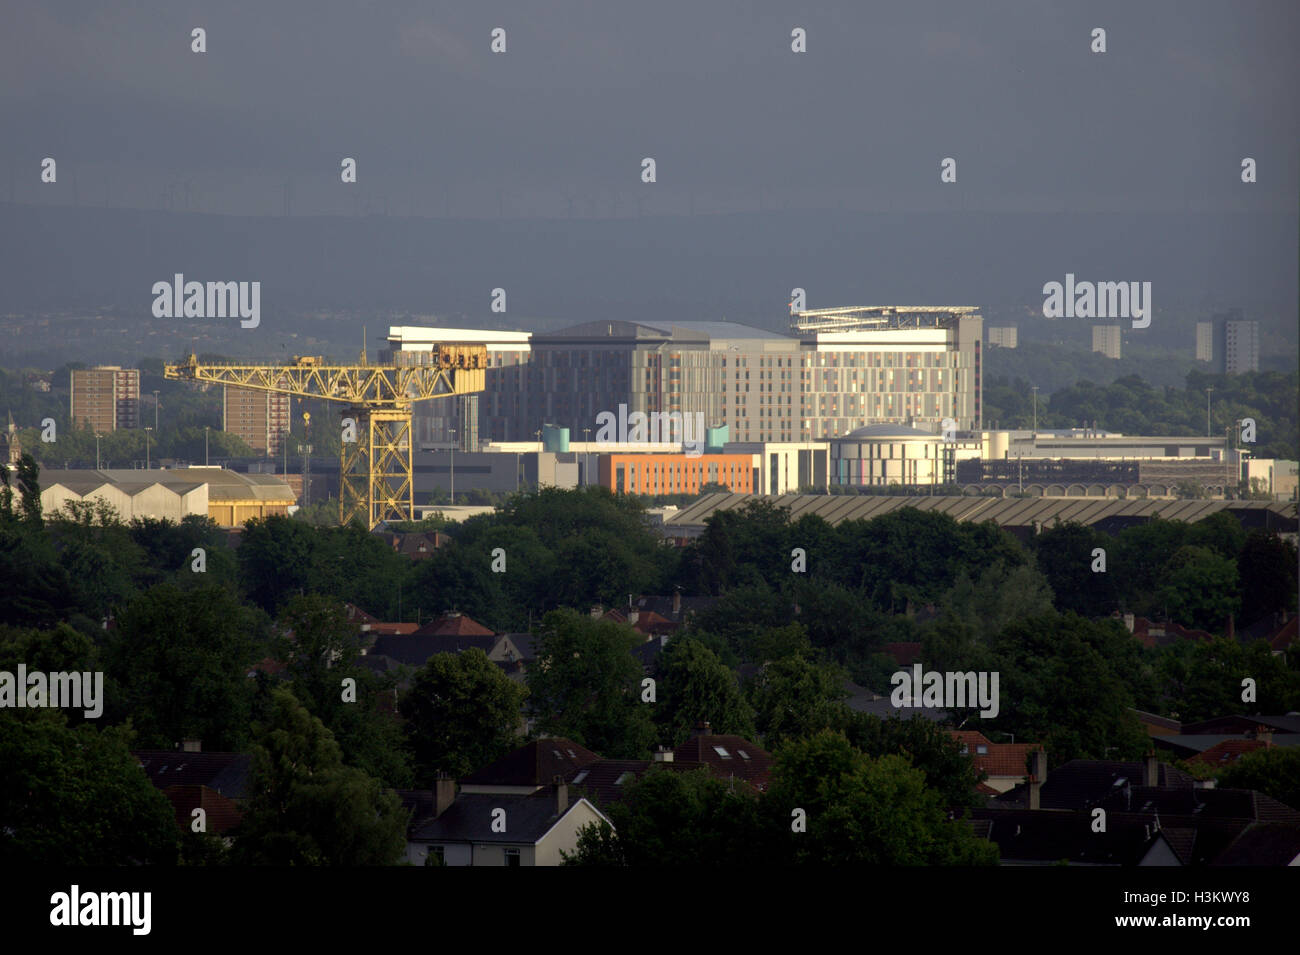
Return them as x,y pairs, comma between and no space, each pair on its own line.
1001,759
1228,751
454,625
905,653
742,759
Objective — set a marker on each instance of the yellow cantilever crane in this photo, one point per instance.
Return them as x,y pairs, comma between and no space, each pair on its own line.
376,479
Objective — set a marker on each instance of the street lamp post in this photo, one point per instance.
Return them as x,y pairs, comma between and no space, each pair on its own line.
155,409
96,450
146,447
206,462
586,439
453,466
1208,391
1035,387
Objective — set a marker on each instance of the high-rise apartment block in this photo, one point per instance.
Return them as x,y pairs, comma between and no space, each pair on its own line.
105,398
1005,336
260,418
1240,347
1205,341
1106,339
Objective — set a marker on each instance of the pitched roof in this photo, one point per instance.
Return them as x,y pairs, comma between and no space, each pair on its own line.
225,773
469,819
1263,843
454,624
536,763
1243,723
606,780
1228,751
1083,783
1285,635
726,755
415,649
997,759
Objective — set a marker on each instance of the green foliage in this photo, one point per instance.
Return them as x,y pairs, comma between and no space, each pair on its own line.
1267,567
307,808
674,818
1203,679
462,713
795,697
177,663
586,685
1064,554
862,810
1063,683
928,747
693,686
77,797
1274,771
1200,588
322,653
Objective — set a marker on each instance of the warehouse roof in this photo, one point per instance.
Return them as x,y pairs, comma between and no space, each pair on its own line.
223,485
1005,512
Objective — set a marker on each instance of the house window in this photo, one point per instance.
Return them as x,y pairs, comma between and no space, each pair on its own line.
512,857
722,752
981,749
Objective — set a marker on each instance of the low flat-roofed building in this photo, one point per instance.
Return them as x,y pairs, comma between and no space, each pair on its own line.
228,497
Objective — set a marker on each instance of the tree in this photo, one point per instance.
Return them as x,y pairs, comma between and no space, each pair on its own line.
674,818
586,685
926,746
1061,684
1266,566
795,697
692,686
178,665
275,559
1065,555
860,810
1204,679
322,654
461,712
1200,588
306,807
1274,771
77,797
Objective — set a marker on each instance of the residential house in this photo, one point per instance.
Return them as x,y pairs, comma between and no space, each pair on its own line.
1004,763
192,779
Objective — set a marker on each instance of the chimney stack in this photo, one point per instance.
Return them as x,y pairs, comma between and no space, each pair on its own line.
677,602
1035,792
191,746
1038,765
444,794
561,794
663,754
703,728
1152,775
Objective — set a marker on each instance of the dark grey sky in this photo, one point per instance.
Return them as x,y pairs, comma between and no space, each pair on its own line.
735,121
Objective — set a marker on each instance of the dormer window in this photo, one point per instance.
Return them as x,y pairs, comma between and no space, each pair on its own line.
722,752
